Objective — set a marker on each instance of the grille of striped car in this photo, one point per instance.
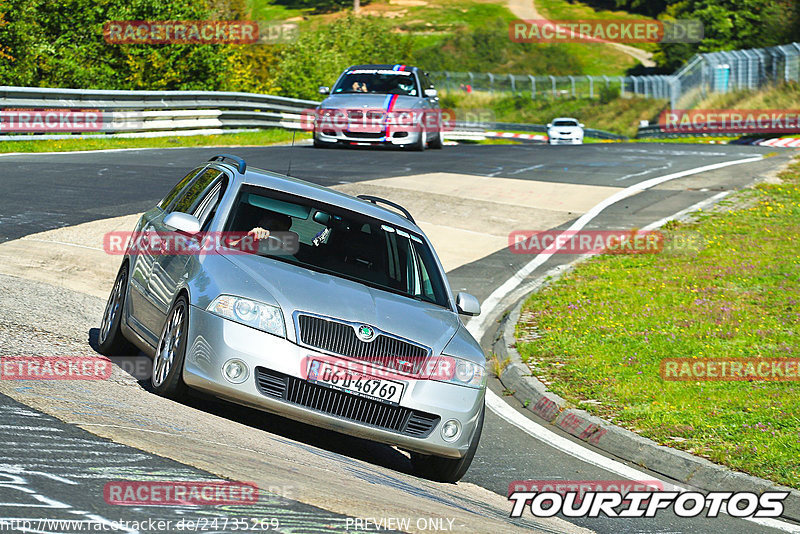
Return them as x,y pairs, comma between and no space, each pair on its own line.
340,338
327,400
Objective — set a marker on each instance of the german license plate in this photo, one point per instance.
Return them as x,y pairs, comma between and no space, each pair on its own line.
351,381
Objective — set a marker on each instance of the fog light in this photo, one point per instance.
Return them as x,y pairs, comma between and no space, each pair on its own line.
235,371
451,429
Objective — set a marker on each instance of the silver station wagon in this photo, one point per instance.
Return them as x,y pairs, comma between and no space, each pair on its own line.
337,312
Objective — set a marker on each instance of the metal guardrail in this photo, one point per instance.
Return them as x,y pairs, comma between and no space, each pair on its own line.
145,113
155,113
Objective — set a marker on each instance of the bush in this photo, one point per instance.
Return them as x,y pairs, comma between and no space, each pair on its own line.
61,44
318,57
608,93
488,49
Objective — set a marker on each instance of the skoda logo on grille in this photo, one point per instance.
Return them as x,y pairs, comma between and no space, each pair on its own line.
365,333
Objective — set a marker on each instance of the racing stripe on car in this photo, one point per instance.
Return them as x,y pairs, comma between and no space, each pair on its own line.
388,105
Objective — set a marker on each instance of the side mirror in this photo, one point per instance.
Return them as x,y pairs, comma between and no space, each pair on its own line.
182,222
324,89
549,125
431,93
467,304
580,124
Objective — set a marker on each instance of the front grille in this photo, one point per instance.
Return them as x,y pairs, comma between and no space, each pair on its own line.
345,405
340,338
364,135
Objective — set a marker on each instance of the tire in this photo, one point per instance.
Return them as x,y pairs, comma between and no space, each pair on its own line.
319,144
421,143
110,340
448,469
167,376
437,143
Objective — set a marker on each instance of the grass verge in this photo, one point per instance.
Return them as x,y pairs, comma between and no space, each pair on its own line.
259,138
607,326
620,115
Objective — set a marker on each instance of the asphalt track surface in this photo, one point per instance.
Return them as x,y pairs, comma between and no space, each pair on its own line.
42,192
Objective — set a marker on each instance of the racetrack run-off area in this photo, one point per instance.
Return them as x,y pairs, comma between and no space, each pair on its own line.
56,207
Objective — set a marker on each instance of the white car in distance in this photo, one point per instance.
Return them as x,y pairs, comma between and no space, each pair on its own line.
566,131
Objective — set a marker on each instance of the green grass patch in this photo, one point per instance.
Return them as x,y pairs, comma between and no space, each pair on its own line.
619,115
259,138
608,324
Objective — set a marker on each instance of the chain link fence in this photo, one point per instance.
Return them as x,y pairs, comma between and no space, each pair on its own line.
715,72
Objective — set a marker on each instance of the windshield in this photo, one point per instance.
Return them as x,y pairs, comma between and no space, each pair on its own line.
341,243
377,81
565,123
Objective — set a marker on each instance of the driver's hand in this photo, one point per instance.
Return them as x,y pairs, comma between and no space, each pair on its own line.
259,233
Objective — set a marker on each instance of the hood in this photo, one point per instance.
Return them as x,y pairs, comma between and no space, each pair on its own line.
566,129
298,289
366,100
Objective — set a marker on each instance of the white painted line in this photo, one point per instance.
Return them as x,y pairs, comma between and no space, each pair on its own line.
477,325
694,207
61,243
548,437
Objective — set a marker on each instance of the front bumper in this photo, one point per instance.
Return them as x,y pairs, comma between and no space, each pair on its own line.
398,136
565,140
214,340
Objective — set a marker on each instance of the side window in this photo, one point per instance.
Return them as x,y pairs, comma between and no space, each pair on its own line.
208,205
178,188
426,82
191,197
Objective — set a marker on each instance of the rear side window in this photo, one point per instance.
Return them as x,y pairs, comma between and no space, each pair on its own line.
178,188
191,197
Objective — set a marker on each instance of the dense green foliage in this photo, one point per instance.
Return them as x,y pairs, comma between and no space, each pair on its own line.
61,44
488,49
318,57
318,6
729,24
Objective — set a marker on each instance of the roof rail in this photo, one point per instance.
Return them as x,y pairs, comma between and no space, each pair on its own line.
240,163
376,200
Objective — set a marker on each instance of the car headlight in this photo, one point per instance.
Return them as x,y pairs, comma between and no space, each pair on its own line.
459,371
251,313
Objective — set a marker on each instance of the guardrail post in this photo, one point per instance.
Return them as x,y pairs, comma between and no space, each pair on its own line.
591,86
513,85
533,87
572,84
491,82
553,80
621,86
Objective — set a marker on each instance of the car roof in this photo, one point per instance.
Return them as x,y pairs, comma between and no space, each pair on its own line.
565,119
383,66
302,188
